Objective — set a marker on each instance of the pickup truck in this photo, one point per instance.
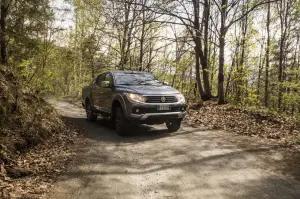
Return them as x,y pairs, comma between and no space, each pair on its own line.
129,97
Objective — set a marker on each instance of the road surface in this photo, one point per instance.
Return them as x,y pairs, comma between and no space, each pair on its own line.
191,163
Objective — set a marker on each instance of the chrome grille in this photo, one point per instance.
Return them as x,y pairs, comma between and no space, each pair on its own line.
161,99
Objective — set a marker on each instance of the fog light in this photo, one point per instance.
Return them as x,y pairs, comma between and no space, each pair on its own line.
137,110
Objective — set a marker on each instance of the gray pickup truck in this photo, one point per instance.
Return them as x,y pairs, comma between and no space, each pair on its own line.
128,97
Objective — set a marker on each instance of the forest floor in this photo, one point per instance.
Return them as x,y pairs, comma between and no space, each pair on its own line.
195,162
270,128
31,172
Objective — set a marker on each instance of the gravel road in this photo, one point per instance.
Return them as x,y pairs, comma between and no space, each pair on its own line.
191,163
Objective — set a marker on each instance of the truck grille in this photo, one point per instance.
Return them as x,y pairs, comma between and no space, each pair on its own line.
161,99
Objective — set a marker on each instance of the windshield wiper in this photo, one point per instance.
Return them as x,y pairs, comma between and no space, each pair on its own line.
125,84
150,82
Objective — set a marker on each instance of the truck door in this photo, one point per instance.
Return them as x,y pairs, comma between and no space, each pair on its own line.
97,93
108,93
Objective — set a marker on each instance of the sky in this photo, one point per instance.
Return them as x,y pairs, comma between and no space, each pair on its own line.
64,19
63,13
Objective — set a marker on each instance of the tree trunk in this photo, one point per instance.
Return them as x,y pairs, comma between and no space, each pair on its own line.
141,50
174,76
221,97
284,9
3,43
198,78
280,70
241,68
177,60
150,56
124,36
213,63
260,68
199,55
229,77
93,67
198,49
204,62
142,41
266,99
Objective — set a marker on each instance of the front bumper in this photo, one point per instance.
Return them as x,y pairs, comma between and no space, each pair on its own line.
148,112
158,116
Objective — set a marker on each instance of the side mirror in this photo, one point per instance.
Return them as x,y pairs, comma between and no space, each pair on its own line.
105,84
166,83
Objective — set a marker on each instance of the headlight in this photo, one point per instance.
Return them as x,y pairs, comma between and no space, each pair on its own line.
180,98
135,97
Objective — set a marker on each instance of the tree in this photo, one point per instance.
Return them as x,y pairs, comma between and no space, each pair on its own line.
266,98
283,7
225,9
18,20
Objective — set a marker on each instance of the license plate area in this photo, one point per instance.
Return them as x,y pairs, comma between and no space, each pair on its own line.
163,107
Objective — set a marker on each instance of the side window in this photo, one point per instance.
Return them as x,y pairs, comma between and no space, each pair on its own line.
100,79
109,78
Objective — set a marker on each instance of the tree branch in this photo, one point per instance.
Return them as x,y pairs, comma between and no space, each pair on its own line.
250,10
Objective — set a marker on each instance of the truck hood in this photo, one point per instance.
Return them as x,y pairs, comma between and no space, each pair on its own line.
148,89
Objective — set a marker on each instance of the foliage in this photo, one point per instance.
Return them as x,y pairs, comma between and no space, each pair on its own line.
50,59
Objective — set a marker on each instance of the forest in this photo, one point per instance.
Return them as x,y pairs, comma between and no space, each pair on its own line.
243,52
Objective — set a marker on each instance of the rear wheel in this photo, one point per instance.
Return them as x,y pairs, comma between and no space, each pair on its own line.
90,113
173,125
120,122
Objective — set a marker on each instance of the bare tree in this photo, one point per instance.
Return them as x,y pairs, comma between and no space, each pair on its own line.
230,14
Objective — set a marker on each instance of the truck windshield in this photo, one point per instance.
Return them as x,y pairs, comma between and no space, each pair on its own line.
136,79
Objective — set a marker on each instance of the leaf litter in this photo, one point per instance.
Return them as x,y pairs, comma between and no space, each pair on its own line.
285,131
31,174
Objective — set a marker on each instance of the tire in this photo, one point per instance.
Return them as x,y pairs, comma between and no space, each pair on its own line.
120,122
90,113
173,125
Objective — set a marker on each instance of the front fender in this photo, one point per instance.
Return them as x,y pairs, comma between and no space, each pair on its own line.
121,100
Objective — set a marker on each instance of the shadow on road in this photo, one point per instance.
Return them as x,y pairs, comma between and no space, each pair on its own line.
103,130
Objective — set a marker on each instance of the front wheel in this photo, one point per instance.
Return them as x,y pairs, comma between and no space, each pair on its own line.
173,125
90,114
120,122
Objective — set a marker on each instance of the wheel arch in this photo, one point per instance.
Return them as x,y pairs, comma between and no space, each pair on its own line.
86,101
118,102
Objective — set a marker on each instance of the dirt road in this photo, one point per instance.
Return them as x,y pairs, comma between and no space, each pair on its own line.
191,163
